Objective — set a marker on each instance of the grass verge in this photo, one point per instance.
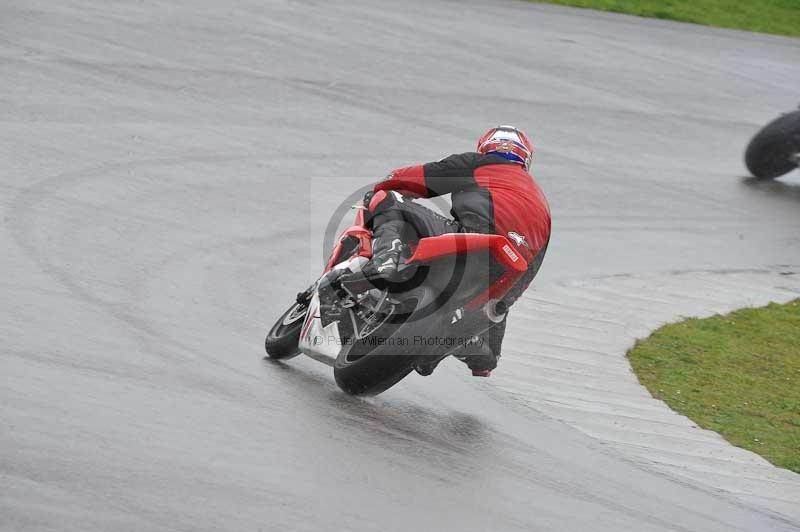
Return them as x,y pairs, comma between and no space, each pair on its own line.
780,17
737,374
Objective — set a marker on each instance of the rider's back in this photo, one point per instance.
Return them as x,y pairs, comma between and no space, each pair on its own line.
489,195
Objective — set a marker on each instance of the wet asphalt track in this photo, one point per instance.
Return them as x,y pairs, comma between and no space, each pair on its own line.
165,167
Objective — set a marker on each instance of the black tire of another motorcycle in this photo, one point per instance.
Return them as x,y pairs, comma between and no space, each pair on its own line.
773,151
374,364
283,337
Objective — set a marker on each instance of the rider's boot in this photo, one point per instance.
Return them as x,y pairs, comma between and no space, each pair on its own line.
480,359
387,250
385,260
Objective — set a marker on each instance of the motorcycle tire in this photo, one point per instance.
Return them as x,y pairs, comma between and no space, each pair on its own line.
771,152
378,362
283,337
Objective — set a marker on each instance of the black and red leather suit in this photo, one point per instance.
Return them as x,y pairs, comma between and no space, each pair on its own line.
489,194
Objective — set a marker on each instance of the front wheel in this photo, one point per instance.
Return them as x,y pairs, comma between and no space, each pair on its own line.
283,338
775,150
375,363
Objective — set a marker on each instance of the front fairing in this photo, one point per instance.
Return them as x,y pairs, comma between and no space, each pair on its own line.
324,335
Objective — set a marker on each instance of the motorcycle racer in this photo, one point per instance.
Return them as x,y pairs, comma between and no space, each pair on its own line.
491,191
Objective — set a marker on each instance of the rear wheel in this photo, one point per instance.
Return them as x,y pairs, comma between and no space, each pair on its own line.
375,363
775,150
283,337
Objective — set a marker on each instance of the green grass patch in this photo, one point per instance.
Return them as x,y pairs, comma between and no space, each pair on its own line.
780,17
737,374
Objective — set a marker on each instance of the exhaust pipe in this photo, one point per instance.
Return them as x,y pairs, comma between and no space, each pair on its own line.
495,310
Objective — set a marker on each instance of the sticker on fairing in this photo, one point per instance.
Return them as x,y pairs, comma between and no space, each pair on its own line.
518,239
510,252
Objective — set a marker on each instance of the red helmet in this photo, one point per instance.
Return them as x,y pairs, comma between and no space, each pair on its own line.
508,142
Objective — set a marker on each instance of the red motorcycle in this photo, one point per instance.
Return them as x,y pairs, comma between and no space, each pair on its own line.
448,294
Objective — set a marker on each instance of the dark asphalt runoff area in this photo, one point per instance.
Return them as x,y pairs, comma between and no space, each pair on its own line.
167,170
